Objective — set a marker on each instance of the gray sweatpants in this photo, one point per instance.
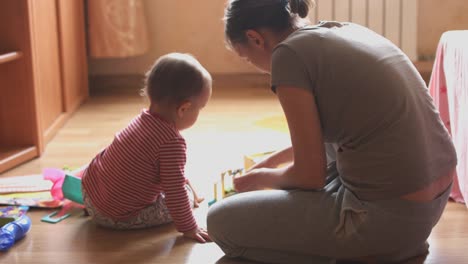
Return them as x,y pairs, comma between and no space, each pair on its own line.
297,226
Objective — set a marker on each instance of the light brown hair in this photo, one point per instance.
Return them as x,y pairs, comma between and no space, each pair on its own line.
175,78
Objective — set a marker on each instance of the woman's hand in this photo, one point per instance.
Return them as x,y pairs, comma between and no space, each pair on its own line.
257,179
275,159
199,234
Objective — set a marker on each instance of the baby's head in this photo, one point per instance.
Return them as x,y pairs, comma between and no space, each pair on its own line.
178,87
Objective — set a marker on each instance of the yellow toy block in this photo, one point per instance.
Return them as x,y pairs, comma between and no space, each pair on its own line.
224,186
250,160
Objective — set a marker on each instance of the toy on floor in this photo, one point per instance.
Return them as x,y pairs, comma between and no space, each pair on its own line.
14,231
65,186
224,186
27,190
252,159
23,184
32,199
65,183
11,213
71,189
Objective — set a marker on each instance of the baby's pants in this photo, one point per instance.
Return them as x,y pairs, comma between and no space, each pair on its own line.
153,215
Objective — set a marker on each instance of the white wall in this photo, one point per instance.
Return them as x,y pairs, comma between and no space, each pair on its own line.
193,26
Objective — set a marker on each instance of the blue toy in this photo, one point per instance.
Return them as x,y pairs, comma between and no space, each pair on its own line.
14,231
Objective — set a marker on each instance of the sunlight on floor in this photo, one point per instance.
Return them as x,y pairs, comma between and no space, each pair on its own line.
210,153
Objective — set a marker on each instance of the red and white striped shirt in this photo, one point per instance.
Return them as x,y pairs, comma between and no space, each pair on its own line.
146,159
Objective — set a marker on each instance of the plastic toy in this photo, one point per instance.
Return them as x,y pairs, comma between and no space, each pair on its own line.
14,231
250,160
56,176
11,213
224,187
65,186
71,189
55,216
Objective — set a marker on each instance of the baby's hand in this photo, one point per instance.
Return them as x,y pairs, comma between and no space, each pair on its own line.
199,234
197,201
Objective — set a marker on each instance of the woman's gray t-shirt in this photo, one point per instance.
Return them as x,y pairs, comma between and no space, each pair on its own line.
372,103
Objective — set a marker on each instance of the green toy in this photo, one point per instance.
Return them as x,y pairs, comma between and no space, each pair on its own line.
72,189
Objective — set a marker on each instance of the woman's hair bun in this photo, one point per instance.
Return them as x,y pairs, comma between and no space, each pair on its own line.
300,7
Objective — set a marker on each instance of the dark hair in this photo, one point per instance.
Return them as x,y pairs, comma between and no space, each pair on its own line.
174,78
277,15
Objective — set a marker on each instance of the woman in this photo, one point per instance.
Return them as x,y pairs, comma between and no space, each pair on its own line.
371,162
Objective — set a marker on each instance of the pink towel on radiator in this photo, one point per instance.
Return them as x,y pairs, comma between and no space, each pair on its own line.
449,89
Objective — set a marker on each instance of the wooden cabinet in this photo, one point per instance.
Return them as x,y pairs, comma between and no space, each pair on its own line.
46,63
73,53
43,73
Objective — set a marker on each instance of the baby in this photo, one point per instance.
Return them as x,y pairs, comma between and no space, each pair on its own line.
138,180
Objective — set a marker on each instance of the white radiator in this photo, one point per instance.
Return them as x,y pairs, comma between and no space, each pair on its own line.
395,19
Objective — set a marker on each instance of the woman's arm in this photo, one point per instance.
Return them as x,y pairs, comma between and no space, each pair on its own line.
309,168
274,160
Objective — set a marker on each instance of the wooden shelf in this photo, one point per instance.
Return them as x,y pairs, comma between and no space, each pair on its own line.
11,156
43,57
10,56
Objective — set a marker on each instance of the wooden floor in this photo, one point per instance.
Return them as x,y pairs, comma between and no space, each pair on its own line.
228,128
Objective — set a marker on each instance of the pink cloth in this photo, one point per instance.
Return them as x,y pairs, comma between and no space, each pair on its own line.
449,89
